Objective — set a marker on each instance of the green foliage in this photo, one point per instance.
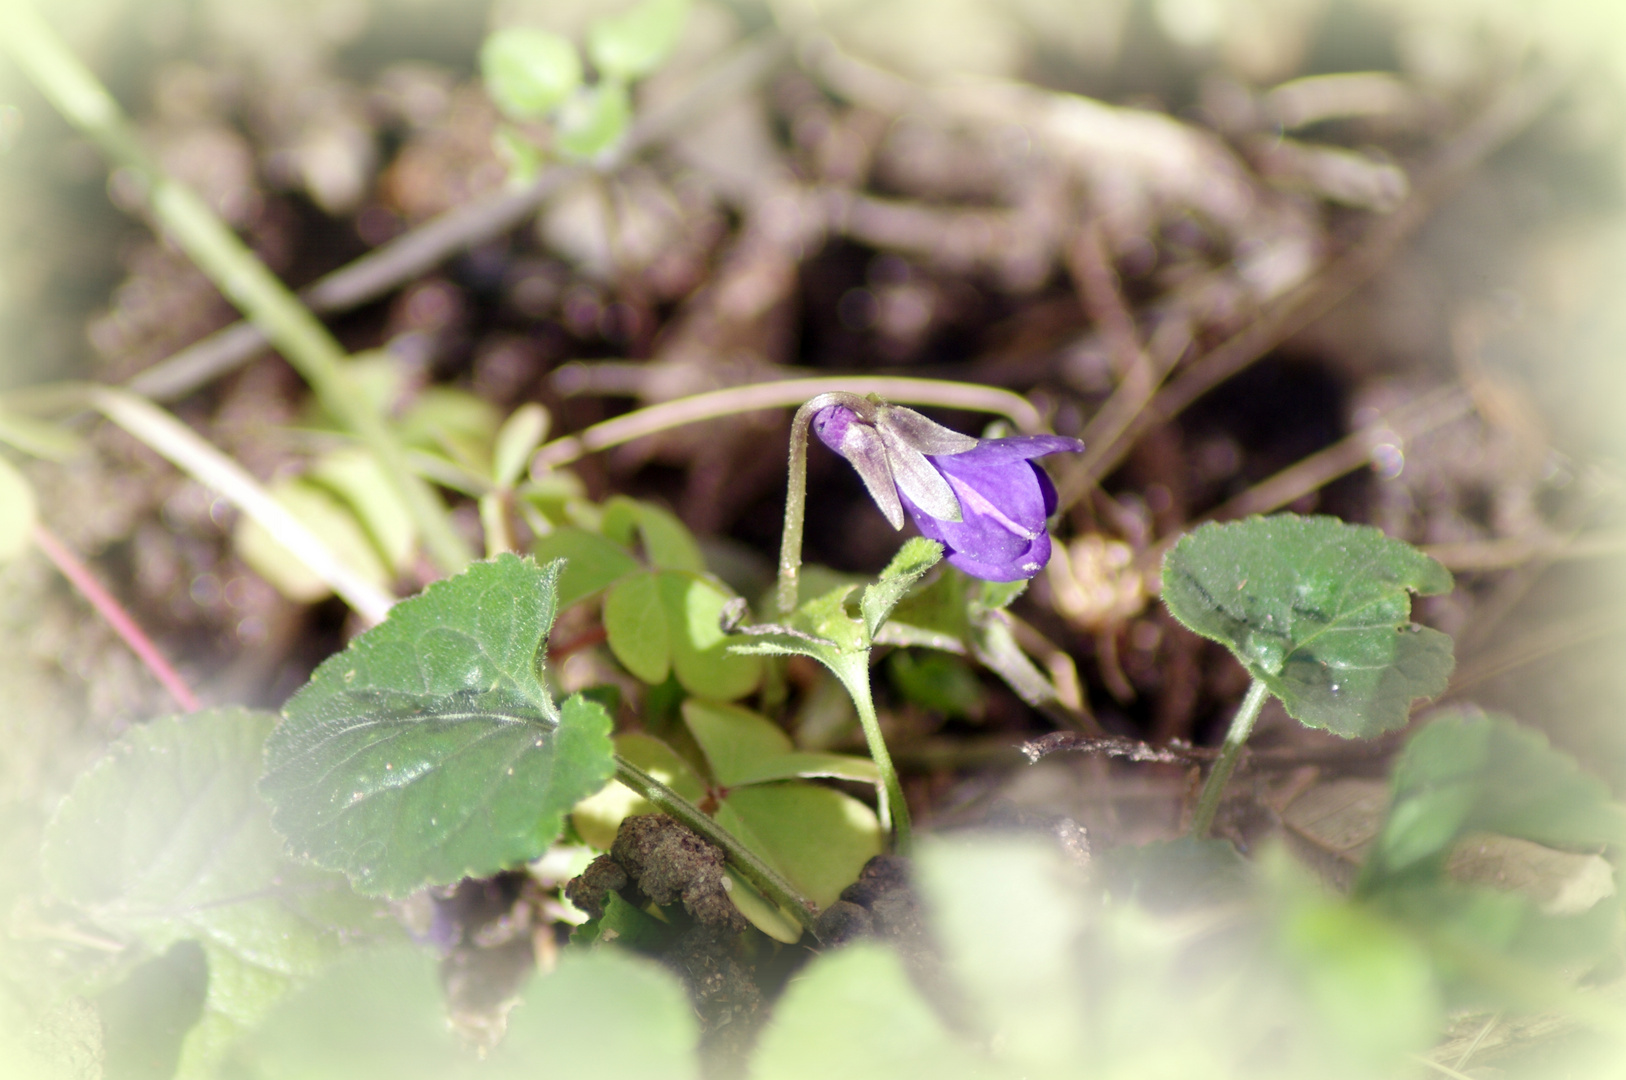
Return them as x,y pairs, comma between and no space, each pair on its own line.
1467,771
817,837
743,747
1319,611
907,567
18,512
591,562
1046,976
430,749
593,121
669,622
886,1030
164,841
635,43
599,1013
1468,774
529,72
937,681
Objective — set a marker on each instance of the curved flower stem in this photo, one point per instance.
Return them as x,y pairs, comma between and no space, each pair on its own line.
228,262
853,671
779,395
108,607
766,879
1202,819
790,543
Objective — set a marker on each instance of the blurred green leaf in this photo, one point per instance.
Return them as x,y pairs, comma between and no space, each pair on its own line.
856,1014
165,840
355,476
635,43
593,120
1320,611
528,72
592,563
1467,771
817,837
516,441
330,520
668,543
940,682
18,512
41,438
429,750
66,1042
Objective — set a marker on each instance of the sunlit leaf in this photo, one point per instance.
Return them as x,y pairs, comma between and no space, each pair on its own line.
332,522
1320,611
743,747
593,120
669,621
817,837
516,440
636,42
429,750
528,72
355,476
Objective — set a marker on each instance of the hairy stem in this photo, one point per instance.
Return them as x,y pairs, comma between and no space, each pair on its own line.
790,543
767,880
853,671
108,607
1202,819
228,262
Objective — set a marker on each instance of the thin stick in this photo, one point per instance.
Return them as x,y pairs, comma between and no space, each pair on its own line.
790,541
214,470
108,607
1202,819
1511,111
235,270
781,394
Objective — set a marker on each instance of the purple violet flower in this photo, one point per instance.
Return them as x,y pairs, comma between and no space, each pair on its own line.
984,500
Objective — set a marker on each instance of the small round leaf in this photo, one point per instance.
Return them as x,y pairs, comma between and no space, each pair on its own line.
528,72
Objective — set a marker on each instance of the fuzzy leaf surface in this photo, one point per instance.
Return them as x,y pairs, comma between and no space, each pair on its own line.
430,750
165,840
1320,611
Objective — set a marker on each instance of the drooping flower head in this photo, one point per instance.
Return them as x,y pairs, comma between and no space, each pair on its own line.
984,500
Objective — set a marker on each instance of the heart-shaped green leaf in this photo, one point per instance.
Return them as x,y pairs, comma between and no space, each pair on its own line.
1320,611
819,838
592,563
743,747
429,750
165,840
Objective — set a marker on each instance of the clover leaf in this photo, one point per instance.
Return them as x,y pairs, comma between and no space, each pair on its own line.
430,749
1319,611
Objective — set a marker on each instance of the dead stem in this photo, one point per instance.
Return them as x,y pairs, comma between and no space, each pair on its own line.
1508,114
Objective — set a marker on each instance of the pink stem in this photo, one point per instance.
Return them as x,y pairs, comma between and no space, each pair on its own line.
110,609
